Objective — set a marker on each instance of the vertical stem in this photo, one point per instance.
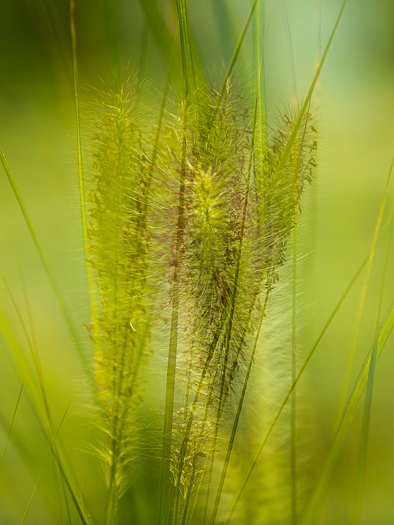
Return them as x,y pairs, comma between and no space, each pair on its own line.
112,40
92,300
172,352
362,466
294,343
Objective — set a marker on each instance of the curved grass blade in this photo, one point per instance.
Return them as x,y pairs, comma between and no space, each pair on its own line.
12,423
362,465
347,418
306,103
360,306
238,48
46,459
43,418
48,271
92,299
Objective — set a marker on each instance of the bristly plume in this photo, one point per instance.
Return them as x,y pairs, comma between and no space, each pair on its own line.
119,245
276,190
218,277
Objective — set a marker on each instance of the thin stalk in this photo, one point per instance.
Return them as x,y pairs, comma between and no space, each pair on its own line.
259,74
92,299
144,50
294,344
12,422
360,306
291,52
189,83
295,164
112,39
292,138
204,372
362,465
46,459
319,492
172,352
238,48
186,51
237,416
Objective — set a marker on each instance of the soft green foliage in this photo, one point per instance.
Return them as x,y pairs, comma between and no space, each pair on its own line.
191,234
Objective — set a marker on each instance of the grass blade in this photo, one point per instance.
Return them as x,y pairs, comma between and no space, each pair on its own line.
161,34
239,45
46,459
112,37
306,103
363,294
48,271
12,423
362,466
347,418
186,50
92,299
225,27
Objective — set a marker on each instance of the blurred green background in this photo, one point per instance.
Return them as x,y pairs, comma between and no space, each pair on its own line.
354,108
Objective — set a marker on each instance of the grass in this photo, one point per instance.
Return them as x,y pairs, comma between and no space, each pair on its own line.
184,403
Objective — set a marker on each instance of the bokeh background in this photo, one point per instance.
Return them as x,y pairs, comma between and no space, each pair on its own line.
354,107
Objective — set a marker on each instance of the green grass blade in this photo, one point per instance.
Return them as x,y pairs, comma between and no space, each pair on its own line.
294,348
12,423
41,413
186,50
362,466
239,45
46,459
288,395
48,271
112,37
33,350
144,51
172,352
347,418
293,136
260,126
225,26
92,299
360,306
161,34
291,52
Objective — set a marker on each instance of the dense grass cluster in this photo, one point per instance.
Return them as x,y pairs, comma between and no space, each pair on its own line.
227,222
190,231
